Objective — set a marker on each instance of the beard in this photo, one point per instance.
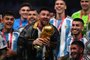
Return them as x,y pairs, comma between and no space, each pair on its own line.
75,56
45,22
31,20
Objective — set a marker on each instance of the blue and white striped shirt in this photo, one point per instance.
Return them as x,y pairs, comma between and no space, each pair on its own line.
70,40
64,31
7,37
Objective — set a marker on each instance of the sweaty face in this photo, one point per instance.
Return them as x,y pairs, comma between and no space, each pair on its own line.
8,21
85,4
32,16
77,27
44,17
60,6
24,12
75,51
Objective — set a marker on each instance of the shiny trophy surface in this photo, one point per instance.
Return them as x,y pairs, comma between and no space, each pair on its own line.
47,31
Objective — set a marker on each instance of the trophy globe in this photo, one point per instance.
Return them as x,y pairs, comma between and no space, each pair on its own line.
47,31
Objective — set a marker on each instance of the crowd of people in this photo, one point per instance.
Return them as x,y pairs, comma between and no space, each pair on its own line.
45,35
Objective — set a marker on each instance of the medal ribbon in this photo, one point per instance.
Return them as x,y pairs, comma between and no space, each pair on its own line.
61,23
10,41
20,23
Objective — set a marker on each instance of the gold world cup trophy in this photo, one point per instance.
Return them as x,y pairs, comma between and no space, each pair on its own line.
47,31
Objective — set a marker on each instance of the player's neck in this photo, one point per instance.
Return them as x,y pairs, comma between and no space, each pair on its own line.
23,18
60,16
85,12
79,36
7,29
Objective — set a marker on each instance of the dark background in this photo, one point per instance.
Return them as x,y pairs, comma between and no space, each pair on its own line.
72,5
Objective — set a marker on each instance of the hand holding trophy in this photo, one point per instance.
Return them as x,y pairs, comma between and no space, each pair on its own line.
44,40
45,35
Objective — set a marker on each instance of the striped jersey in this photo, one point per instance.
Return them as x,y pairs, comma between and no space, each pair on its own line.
64,31
11,39
70,40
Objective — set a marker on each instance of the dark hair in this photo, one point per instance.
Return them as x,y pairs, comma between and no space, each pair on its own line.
45,9
8,13
79,19
24,4
32,9
79,43
60,0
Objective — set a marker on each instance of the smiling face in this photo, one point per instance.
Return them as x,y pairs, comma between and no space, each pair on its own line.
44,17
75,51
24,12
32,16
8,21
60,6
77,27
85,4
